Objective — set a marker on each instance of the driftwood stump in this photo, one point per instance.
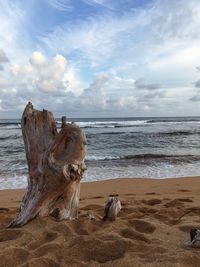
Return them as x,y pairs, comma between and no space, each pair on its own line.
55,163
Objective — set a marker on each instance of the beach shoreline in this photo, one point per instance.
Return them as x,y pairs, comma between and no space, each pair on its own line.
151,228
137,186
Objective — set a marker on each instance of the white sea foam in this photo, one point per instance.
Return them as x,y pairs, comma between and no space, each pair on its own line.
158,171
109,124
92,157
13,182
10,126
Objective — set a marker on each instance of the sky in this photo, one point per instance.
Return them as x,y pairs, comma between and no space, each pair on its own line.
100,58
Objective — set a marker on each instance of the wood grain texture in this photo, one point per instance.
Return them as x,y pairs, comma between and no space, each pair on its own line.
56,165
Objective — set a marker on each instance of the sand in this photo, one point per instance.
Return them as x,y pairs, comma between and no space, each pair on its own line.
150,230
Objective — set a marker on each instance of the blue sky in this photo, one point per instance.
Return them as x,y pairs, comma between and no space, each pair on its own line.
100,58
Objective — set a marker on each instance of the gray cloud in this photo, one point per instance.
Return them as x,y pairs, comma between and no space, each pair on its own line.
3,59
141,84
197,84
51,83
198,68
195,98
151,96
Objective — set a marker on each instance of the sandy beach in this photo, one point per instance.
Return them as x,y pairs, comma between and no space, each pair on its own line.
150,230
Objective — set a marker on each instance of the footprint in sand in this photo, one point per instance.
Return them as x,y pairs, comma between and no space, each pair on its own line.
85,227
185,199
147,211
152,202
187,227
131,234
100,250
10,234
153,252
183,190
177,202
49,248
151,193
2,210
62,229
142,226
193,211
45,237
41,262
13,257
97,197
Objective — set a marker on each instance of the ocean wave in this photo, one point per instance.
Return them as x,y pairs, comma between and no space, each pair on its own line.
179,133
170,133
157,156
14,181
109,124
15,136
142,156
10,125
131,123
96,158
174,121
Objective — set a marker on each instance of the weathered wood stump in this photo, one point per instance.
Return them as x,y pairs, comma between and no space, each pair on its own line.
55,163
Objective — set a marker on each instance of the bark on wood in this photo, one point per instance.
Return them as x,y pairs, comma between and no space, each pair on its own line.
56,165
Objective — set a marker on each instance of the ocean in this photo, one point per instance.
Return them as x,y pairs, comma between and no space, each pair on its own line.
117,147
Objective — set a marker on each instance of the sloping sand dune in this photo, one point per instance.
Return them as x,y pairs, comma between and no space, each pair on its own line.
152,226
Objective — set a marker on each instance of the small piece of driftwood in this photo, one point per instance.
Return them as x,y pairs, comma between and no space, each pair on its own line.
112,208
55,164
194,240
90,215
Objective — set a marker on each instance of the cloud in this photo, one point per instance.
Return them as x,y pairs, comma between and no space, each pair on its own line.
54,84
152,96
41,80
94,97
38,59
61,5
104,3
14,35
195,98
68,5
141,84
101,51
197,84
198,68
160,35
55,76
3,59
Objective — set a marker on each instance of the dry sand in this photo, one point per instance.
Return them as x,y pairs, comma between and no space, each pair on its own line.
150,230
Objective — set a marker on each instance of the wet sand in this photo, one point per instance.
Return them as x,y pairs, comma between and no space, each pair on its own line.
150,230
